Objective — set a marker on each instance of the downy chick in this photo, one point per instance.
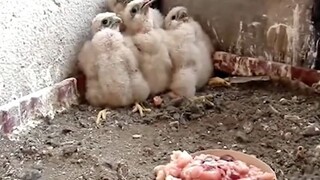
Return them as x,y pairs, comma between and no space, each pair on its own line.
87,59
198,65
118,6
154,59
204,62
207,50
87,64
120,79
87,55
184,52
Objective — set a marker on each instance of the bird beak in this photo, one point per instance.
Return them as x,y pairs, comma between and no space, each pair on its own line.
184,16
146,4
117,20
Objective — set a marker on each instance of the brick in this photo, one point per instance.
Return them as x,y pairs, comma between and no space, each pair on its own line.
45,102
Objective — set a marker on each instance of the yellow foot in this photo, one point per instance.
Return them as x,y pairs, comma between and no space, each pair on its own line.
218,82
102,115
140,108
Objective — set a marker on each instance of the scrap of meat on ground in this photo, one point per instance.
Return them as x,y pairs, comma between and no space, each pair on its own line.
208,167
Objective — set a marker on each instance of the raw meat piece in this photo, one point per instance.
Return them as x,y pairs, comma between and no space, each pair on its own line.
208,167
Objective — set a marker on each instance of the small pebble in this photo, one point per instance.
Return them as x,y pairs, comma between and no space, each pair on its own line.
242,137
317,151
31,175
284,101
234,145
293,118
288,135
156,142
294,99
136,136
174,124
176,116
248,127
69,150
311,130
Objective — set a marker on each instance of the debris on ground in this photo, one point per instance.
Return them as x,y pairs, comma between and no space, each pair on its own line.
244,117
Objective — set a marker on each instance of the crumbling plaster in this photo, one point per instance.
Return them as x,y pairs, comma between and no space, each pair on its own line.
39,42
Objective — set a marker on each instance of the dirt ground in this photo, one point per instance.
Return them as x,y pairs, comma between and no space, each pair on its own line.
268,121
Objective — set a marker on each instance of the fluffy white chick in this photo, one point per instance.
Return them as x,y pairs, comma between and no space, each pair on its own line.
154,59
87,62
119,77
87,55
184,52
204,64
208,50
118,6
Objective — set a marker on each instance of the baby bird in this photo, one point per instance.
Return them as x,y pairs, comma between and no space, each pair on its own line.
118,6
191,51
87,64
184,52
87,55
203,42
154,59
120,80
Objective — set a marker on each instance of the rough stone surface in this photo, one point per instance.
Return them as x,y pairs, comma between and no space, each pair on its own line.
39,42
18,114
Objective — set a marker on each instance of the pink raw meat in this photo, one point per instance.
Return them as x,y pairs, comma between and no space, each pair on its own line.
208,167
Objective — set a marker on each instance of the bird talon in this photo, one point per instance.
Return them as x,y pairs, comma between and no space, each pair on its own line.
102,115
141,109
218,82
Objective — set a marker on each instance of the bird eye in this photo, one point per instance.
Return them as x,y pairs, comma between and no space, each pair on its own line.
134,10
105,21
173,17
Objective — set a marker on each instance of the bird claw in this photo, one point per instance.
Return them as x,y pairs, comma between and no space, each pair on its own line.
316,87
218,82
102,115
141,109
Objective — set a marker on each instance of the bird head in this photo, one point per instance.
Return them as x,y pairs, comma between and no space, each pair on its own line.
117,5
135,15
105,20
175,17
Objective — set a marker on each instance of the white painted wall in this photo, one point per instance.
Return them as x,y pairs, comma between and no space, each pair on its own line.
39,40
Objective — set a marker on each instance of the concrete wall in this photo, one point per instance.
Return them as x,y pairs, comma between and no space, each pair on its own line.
272,29
39,42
